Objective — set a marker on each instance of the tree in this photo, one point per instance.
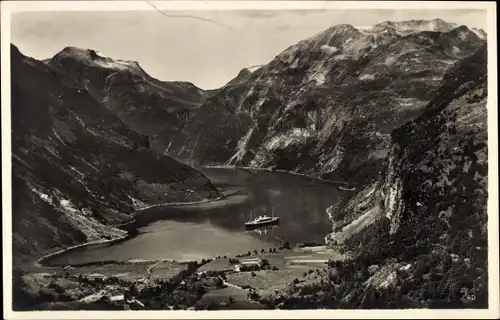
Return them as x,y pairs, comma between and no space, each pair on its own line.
133,290
200,290
264,263
192,266
219,283
212,306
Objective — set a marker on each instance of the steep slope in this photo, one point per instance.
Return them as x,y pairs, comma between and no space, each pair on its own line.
147,105
77,169
334,97
419,234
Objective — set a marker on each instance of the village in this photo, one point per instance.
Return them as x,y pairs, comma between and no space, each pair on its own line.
245,281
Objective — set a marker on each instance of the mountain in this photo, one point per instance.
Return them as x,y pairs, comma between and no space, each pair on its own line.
77,169
148,106
326,106
423,224
413,26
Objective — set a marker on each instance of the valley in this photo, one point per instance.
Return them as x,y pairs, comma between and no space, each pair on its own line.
136,191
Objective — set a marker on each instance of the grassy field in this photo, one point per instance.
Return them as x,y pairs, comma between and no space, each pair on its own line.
299,265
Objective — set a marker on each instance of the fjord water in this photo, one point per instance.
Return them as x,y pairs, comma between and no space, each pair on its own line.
205,230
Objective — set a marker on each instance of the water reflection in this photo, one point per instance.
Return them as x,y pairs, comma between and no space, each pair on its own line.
212,229
269,230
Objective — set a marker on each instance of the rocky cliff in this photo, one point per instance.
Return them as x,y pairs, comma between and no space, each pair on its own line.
324,107
147,105
77,169
327,105
423,224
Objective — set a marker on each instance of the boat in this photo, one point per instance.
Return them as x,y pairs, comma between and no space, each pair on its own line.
262,221
347,189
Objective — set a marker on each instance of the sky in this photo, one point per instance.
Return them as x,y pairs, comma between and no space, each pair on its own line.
207,48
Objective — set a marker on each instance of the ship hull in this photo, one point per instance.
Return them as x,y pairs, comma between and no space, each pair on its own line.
257,225
346,189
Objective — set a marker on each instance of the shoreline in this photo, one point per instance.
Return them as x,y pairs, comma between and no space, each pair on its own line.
170,204
282,171
180,204
41,262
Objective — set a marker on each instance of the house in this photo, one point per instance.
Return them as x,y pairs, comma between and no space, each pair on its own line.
248,264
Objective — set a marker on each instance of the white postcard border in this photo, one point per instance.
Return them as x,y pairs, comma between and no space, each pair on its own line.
8,7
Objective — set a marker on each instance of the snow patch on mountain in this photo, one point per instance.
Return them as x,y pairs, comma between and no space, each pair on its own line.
390,60
43,196
115,64
332,161
318,77
480,33
99,53
318,74
463,35
367,77
295,64
254,68
284,139
241,148
328,49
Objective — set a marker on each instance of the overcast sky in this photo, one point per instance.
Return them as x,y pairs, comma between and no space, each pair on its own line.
187,49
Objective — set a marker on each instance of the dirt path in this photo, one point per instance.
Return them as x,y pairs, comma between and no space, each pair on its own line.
230,284
150,268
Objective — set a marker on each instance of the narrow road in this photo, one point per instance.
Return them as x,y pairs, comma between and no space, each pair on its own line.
152,266
230,284
149,271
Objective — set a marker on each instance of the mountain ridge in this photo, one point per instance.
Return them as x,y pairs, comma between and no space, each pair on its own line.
436,175
77,169
341,72
148,105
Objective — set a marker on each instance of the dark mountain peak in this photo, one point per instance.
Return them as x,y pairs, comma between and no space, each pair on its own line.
73,160
436,21
412,26
16,56
339,29
344,28
335,35
14,50
242,76
461,28
463,33
94,58
244,72
15,53
480,33
385,24
77,52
